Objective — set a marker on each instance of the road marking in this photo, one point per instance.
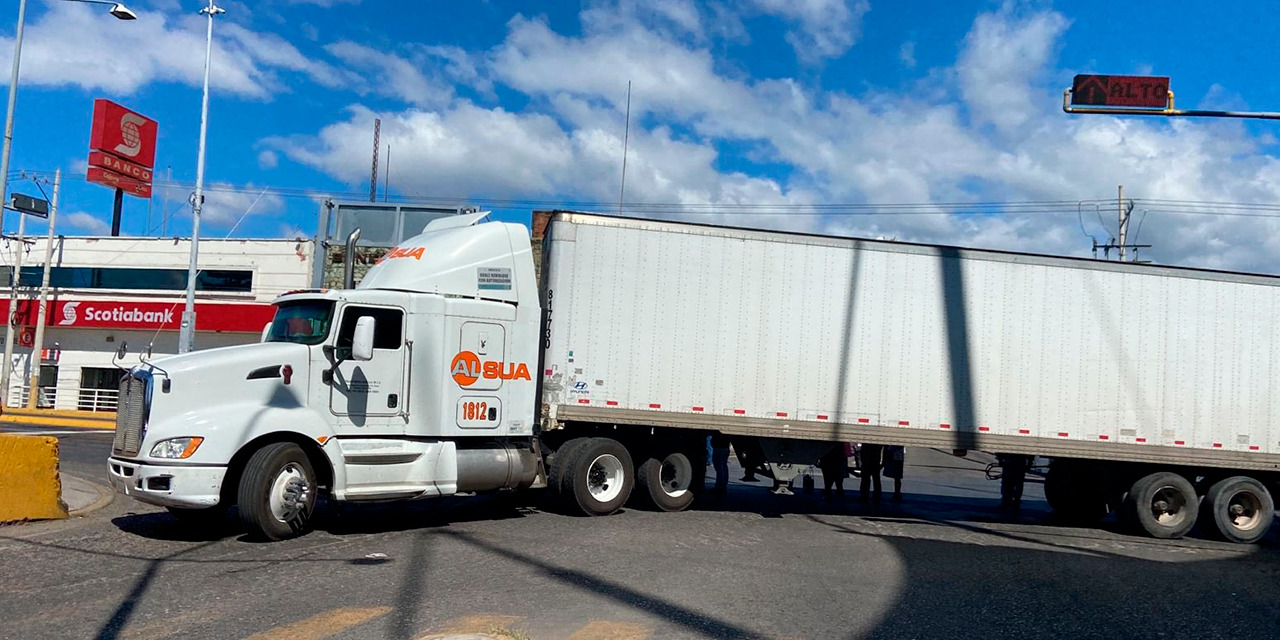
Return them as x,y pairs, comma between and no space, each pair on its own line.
606,630
322,625
493,625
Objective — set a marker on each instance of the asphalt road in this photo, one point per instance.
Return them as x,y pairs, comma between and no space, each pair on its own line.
943,564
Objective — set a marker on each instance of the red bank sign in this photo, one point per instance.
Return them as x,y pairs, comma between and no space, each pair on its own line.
122,147
154,316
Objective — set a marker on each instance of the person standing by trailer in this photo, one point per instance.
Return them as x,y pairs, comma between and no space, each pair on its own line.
895,458
720,460
835,467
872,459
1013,472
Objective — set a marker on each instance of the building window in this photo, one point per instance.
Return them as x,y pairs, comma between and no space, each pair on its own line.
135,279
99,388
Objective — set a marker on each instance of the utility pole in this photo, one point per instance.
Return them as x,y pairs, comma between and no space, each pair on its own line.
37,347
14,279
187,332
373,174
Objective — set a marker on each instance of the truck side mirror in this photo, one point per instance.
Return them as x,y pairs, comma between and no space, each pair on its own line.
266,332
362,340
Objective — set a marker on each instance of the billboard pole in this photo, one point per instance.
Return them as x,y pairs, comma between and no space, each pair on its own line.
37,347
8,118
187,335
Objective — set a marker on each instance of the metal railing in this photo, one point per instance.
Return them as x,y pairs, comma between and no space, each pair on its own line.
74,398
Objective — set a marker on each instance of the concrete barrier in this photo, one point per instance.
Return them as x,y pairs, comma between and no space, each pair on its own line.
60,418
30,488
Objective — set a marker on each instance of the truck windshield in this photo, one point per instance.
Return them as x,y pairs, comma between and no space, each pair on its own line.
304,322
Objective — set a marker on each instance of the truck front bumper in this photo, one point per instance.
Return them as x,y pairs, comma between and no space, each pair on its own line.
168,486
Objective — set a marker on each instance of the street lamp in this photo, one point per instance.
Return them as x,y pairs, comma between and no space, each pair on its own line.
117,9
187,332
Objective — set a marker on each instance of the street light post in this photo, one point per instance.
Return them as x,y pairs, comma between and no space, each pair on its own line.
118,10
187,334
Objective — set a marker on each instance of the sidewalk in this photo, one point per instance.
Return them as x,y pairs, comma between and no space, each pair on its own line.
60,418
82,496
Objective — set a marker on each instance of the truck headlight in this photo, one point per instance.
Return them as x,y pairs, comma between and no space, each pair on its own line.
177,448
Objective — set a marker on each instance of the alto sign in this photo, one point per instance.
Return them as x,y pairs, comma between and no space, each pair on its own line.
122,147
1120,91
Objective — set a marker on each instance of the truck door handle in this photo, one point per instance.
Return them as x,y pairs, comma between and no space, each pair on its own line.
392,401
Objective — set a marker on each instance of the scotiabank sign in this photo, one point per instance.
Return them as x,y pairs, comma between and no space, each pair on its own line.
153,316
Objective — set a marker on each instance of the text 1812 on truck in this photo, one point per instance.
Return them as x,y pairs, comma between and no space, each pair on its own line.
452,368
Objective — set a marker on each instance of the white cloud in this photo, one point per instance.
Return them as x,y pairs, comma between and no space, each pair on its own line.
226,206
86,222
1004,56
987,128
907,54
268,159
72,44
825,28
392,75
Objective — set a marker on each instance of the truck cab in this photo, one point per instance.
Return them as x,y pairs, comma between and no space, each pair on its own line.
417,383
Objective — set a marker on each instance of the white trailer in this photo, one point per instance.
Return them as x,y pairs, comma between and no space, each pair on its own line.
1149,387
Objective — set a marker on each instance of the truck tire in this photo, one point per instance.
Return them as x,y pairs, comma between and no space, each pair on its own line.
1162,505
1073,493
1237,509
665,482
277,493
599,477
561,462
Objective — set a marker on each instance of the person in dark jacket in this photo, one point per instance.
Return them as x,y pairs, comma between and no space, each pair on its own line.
1013,471
872,458
720,460
895,459
835,467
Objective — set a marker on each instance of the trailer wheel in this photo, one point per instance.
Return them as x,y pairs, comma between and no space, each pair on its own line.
666,482
1073,493
599,477
561,462
1237,509
277,492
1163,505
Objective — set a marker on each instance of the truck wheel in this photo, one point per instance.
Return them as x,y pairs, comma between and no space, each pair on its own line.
1163,505
666,483
277,492
1237,509
600,477
561,462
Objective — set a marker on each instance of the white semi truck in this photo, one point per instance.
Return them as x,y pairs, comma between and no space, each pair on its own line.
452,369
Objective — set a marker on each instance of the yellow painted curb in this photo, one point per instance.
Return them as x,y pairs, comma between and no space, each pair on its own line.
30,488
54,421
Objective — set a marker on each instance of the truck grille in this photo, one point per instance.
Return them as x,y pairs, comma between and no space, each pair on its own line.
131,415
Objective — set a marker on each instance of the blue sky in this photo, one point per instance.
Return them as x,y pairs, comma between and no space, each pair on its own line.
736,106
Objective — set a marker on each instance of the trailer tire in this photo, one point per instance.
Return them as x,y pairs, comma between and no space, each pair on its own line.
666,482
1162,505
561,462
599,477
277,493
1237,509
1073,493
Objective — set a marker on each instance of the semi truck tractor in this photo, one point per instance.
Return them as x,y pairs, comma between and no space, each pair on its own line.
454,367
